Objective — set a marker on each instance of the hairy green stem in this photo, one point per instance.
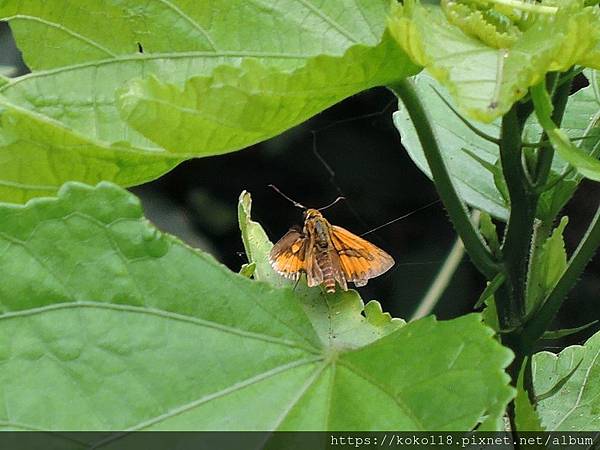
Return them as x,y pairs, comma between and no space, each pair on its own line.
543,318
510,303
474,244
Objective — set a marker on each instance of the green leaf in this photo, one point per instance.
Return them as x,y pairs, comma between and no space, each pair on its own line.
466,153
486,81
575,406
581,119
547,265
558,334
526,417
63,121
138,331
490,315
488,230
236,107
475,184
247,270
559,384
587,165
488,293
256,244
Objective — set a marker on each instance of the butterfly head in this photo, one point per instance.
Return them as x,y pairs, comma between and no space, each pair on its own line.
310,214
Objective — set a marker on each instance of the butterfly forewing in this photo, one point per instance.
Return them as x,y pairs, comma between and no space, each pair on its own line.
288,256
360,260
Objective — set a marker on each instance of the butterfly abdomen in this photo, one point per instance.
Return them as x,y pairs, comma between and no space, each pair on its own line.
324,262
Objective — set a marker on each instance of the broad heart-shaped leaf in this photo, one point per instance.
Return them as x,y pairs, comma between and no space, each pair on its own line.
467,154
108,324
80,69
486,81
576,406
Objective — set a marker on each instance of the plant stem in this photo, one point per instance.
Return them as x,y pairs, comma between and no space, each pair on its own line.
542,320
515,248
474,244
441,281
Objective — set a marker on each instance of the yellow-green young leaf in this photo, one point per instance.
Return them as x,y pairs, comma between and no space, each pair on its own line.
486,81
547,265
488,230
63,121
135,330
482,22
575,406
256,243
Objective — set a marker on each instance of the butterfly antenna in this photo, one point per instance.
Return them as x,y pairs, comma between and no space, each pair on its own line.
295,203
332,203
402,217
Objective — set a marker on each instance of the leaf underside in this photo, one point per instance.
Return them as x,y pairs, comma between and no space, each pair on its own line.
576,406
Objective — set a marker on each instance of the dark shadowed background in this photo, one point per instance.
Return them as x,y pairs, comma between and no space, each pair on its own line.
353,150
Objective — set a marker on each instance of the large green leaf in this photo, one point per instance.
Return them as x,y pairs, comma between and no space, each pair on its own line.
80,69
486,81
135,330
473,161
235,107
576,406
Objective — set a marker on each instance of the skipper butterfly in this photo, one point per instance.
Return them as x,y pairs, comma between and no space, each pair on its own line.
327,254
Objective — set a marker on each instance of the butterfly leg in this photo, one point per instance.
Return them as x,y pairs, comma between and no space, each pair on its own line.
296,284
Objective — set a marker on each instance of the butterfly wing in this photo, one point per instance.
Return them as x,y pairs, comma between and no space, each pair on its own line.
359,259
288,255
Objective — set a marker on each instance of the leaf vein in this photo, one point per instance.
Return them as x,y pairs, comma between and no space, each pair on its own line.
159,313
64,29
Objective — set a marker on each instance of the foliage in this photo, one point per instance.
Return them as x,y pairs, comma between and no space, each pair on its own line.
139,331
95,108
214,349
575,406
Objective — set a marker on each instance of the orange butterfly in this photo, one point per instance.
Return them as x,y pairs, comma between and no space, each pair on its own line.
327,253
